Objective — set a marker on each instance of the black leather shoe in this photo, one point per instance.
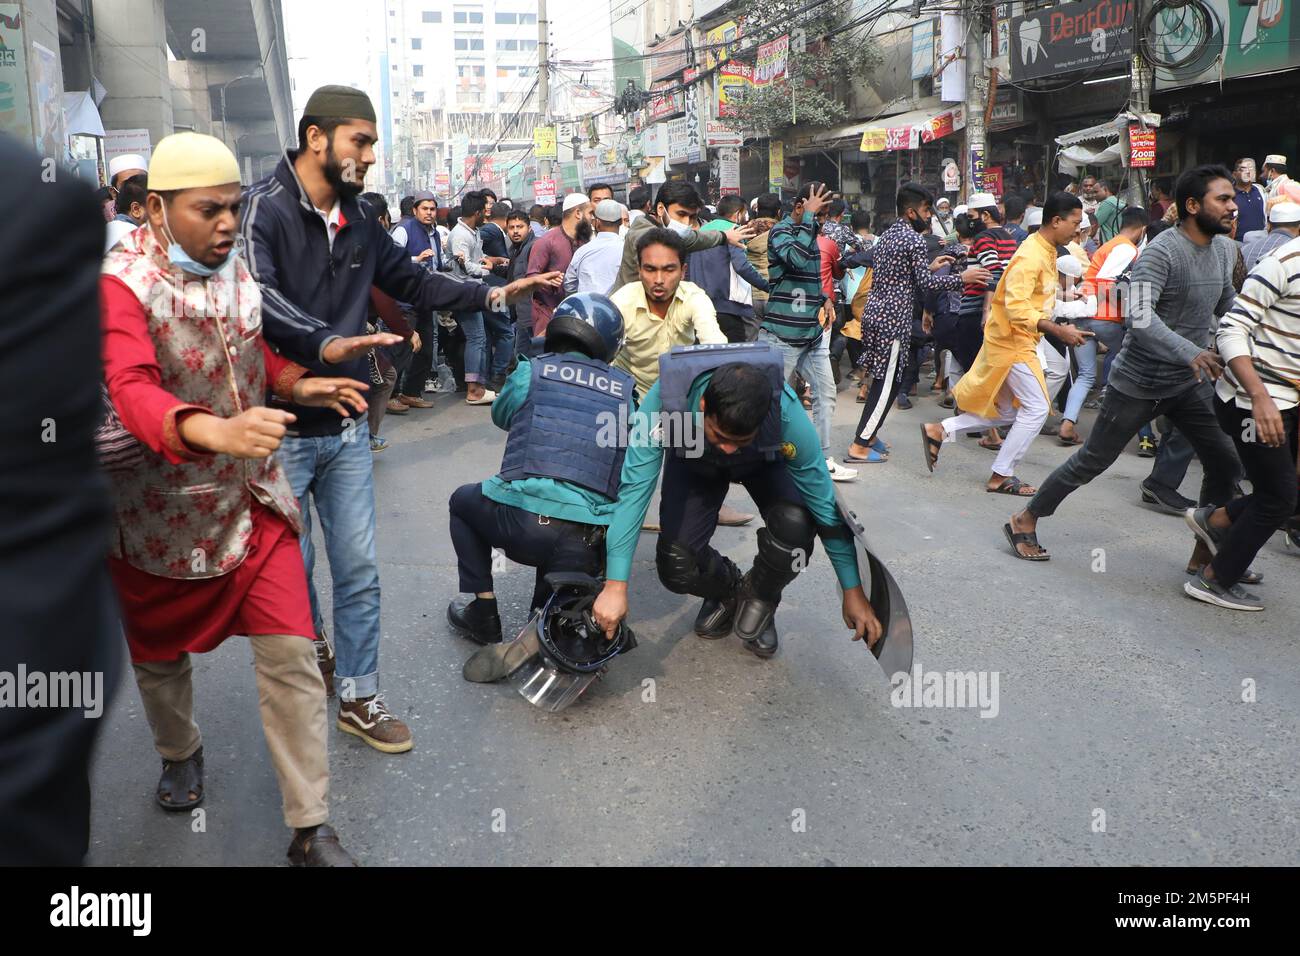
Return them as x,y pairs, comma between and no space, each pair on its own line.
318,846
477,619
765,644
1166,499
714,619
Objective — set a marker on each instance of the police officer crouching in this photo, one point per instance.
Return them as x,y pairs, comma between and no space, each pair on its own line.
566,411
726,415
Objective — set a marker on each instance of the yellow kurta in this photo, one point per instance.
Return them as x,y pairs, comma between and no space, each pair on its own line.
1024,295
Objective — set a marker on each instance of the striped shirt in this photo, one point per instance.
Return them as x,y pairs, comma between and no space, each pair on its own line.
992,249
794,270
1264,324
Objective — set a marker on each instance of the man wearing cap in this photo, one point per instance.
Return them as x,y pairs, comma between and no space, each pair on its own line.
316,252
595,265
1283,220
1277,180
207,522
417,235
122,168
554,250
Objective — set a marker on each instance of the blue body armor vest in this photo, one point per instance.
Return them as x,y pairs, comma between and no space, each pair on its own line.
680,367
556,433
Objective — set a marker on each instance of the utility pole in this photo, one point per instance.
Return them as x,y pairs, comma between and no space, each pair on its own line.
977,89
1139,97
544,76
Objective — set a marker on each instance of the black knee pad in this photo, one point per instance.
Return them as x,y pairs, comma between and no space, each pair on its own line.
790,524
681,573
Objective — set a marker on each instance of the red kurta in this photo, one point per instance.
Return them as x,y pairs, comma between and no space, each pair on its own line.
264,594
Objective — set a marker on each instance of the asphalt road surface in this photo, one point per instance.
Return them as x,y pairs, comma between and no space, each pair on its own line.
1131,724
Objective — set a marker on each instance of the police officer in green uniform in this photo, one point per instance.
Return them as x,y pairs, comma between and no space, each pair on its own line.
567,412
725,415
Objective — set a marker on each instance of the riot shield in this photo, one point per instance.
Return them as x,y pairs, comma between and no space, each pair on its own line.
894,649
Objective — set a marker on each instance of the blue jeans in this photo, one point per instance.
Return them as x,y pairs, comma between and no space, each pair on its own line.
1111,333
813,362
500,332
476,354
335,471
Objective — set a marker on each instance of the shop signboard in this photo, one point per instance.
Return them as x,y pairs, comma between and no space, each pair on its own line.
664,104
1089,35
773,58
720,134
1142,147
544,191
733,80
1225,40
721,42
729,171
544,142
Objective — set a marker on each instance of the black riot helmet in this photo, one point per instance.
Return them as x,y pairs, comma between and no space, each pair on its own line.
589,322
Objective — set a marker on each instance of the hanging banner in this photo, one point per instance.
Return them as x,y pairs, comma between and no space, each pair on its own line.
773,58
873,140
733,80
729,171
1142,147
544,144
442,184
993,181
544,191
776,163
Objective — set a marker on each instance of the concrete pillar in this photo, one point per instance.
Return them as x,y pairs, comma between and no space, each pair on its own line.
131,62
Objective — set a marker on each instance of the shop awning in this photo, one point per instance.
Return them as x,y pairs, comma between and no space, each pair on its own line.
911,129
1098,145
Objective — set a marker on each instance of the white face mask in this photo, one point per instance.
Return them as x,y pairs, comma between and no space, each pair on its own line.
680,228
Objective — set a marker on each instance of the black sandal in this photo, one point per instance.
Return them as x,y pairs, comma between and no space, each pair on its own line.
183,777
1025,537
930,448
1011,486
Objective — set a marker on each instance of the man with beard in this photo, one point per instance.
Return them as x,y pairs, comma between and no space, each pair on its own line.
901,273
1180,283
554,251
315,251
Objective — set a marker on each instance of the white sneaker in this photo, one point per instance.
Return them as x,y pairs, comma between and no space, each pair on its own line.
839,472
488,398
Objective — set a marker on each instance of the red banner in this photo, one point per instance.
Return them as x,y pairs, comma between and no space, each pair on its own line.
1142,147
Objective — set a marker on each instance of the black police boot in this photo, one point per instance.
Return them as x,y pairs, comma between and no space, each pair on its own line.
715,617
775,566
477,619
765,644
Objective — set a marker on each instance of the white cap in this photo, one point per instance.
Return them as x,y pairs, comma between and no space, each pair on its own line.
944,200
960,210
1284,212
120,164
1033,217
1274,159
981,201
1069,265
574,199
608,210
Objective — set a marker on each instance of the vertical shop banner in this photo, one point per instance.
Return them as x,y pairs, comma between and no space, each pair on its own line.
773,60
776,163
442,185
729,171
677,141
733,80
1142,147
15,103
952,69
977,168
694,130
922,49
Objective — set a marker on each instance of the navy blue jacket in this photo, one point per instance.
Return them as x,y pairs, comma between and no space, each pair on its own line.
711,271
312,294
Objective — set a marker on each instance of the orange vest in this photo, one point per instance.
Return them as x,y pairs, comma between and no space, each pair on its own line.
1104,289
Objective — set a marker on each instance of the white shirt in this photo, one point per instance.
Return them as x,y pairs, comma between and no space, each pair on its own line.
331,222
594,267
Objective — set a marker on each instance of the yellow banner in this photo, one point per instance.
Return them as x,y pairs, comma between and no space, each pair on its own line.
873,141
544,142
776,163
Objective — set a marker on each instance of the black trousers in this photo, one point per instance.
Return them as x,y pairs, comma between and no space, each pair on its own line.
479,524
880,398
1118,421
1272,500
912,372
421,365
692,494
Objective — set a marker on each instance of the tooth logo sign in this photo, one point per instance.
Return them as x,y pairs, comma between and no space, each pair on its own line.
1031,41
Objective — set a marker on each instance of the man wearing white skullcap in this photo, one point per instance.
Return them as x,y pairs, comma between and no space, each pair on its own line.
121,168
1283,223
207,524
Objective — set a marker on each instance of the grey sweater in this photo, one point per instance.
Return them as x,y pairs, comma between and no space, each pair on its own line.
1177,292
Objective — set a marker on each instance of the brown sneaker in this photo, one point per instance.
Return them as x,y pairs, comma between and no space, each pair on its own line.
415,402
325,661
396,407
369,719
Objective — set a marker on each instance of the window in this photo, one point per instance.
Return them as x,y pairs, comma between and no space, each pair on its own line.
513,18
416,70
512,46
468,43
417,43
431,16
419,97
467,16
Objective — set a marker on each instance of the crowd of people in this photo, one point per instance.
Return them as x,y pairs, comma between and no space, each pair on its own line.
255,336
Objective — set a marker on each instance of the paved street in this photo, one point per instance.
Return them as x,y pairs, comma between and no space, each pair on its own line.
1117,694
